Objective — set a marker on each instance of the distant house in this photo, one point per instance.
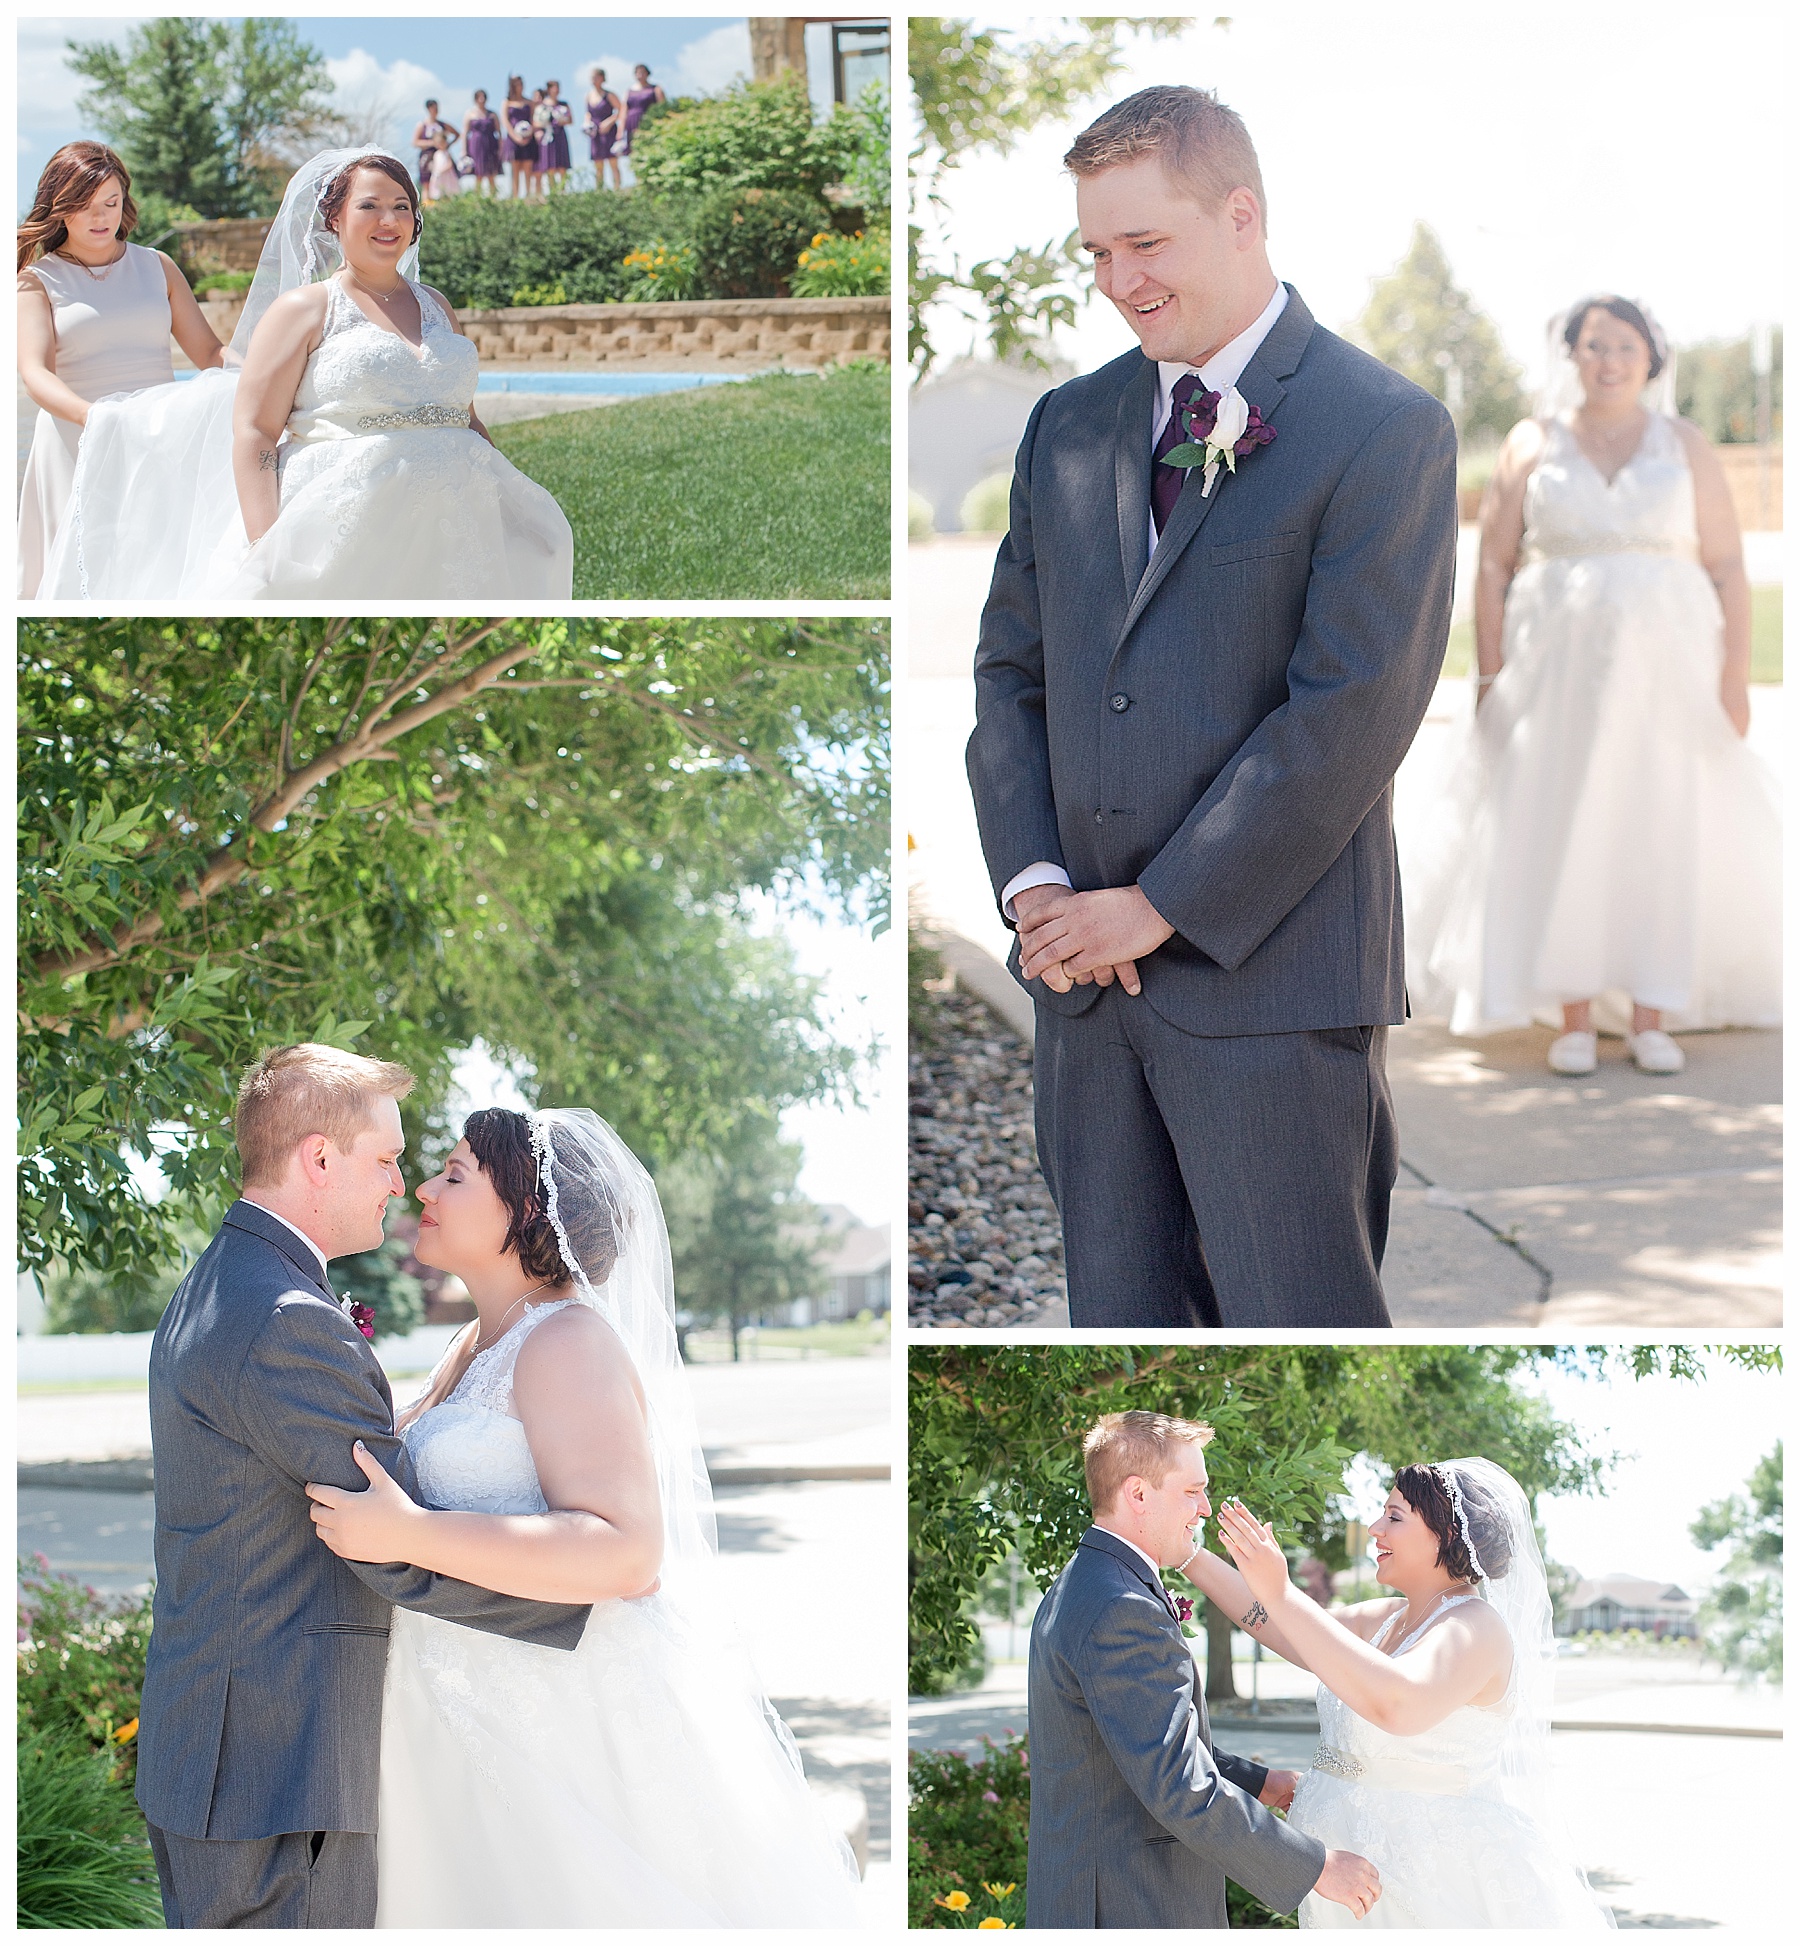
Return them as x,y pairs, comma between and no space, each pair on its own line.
964,425
1622,1601
856,1260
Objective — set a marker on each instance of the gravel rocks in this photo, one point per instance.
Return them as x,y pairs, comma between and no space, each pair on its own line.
985,1243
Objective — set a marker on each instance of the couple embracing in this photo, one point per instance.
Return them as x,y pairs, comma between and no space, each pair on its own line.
1428,1802
466,1667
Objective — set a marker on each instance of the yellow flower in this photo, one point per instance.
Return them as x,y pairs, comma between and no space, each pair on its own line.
953,1902
994,1925
999,1891
126,1731
820,238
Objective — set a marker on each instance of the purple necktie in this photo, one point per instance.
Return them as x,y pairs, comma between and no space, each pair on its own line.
1166,482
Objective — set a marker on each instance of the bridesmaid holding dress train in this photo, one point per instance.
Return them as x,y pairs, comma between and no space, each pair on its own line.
96,312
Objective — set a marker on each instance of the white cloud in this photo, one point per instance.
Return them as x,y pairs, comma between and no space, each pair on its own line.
617,68
712,62
388,102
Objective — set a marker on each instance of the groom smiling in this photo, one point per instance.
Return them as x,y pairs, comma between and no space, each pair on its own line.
1214,627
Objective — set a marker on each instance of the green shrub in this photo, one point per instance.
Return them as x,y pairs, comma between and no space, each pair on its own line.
225,283
480,252
378,1277
533,295
866,129
81,1664
747,242
987,506
666,273
835,265
84,1859
967,1822
756,135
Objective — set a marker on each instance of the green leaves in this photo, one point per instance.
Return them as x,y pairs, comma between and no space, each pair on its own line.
1186,454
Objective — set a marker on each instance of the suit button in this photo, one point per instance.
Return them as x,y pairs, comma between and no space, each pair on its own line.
1099,817
1121,702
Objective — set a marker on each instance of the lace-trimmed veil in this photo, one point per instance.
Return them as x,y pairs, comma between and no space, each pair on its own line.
1560,389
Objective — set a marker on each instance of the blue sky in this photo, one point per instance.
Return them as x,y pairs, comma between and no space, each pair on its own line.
387,62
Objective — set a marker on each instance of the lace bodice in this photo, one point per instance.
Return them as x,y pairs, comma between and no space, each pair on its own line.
470,1452
1570,509
1467,1741
364,379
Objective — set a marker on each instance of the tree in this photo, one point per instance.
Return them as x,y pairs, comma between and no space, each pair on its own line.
744,1240
209,113
1423,324
407,835
1740,1621
981,91
757,135
380,1279
1716,385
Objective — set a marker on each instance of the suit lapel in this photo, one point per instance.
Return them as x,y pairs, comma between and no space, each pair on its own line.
247,1216
1131,462
1260,386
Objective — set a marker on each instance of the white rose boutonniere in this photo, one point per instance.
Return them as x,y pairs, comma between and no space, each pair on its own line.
1221,429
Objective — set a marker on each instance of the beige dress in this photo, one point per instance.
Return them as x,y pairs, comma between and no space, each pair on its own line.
112,336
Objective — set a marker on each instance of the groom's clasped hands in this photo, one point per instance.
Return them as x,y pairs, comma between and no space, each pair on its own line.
1071,939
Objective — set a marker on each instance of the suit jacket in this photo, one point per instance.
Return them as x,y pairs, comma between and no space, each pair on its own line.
1135,1819
1222,725
261,1710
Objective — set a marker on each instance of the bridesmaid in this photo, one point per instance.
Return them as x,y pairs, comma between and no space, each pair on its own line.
518,136
604,109
642,95
553,143
481,144
540,161
96,313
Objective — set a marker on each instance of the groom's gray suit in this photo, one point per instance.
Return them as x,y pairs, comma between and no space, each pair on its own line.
261,1718
1219,723
1135,1819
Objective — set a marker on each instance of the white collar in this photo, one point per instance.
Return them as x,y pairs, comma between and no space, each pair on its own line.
300,1233
1138,1551
1226,366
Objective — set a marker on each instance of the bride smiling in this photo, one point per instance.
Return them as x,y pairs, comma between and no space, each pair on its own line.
345,461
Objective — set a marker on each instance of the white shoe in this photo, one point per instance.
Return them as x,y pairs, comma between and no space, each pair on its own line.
1575,1053
1654,1052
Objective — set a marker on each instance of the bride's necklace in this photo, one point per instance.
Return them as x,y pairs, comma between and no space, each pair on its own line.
504,1315
357,283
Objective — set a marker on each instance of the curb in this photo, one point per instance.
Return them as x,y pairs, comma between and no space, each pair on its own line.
1673,1729
978,970
135,1475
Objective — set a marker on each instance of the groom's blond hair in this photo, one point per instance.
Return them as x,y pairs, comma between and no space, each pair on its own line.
308,1089
1198,140
1125,1445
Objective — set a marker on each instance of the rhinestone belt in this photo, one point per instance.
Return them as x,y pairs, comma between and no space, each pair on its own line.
1333,1761
420,415
1574,549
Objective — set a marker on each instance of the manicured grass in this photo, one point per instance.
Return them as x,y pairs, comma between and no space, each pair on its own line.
772,490
1765,640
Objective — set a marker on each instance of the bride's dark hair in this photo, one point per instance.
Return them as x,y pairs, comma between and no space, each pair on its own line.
501,1140
1625,311
1424,1491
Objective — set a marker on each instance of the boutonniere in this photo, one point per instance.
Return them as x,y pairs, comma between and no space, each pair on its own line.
1221,430
362,1316
1184,1614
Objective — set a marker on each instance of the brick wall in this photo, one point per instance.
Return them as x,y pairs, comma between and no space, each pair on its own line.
735,335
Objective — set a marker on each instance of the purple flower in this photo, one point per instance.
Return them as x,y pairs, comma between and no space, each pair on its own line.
1203,415
1255,434
990,1797
363,1317
1184,1608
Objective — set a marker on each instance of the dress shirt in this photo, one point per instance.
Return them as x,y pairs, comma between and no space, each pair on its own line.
1156,1572
1220,372
319,1254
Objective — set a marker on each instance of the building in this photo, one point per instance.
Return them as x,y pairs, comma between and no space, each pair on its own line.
964,425
1614,1602
856,1259
839,58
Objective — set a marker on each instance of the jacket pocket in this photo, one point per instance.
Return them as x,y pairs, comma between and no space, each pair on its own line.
342,1628
1259,547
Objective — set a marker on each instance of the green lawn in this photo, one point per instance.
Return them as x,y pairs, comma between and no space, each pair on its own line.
1765,640
772,490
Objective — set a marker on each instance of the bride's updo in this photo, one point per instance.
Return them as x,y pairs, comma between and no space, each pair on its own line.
501,1141
1425,1491
331,208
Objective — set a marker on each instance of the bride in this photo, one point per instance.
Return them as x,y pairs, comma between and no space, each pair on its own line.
643,1781
1434,1705
345,461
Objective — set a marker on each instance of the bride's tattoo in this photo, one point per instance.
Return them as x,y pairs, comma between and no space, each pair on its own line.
1255,1619
265,460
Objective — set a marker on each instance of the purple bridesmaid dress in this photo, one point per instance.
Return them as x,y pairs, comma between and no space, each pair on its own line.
481,143
600,140
636,101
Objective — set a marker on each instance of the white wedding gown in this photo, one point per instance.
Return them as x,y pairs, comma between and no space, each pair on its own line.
386,493
1598,829
1429,1813
634,1782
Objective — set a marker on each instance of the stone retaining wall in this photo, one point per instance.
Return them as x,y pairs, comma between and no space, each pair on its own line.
725,335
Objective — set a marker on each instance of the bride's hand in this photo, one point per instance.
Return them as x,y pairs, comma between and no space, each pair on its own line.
374,1525
1255,1553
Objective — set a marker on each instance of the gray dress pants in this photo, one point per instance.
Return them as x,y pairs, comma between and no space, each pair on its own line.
1234,1180
298,1878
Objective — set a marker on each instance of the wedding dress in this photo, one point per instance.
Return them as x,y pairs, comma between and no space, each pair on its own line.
641,1780
1598,829
386,493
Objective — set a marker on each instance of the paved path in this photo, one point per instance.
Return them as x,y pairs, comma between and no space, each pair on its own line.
1673,1830
1526,1200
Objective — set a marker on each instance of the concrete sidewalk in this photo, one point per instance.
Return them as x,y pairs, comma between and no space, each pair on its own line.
1526,1200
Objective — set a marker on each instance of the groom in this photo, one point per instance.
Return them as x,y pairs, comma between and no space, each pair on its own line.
1135,1819
261,1717
1194,685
